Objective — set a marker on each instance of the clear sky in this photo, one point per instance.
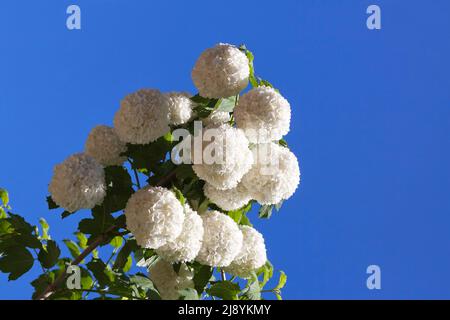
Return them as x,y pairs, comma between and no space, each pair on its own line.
370,125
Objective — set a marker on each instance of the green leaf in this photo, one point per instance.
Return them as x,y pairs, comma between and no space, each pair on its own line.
146,285
119,188
86,279
147,157
100,271
225,290
82,240
188,294
16,261
267,271
45,227
202,275
179,195
4,197
48,256
253,292
227,104
283,143
42,282
101,222
73,248
265,212
51,204
116,242
19,224
66,213
250,57
123,257
281,281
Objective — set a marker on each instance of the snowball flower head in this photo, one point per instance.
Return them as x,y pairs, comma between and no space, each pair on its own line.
225,159
181,107
154,216
221,71
78,183
216,118
263,114
104,145
187,245
252,255
231,199
167,281
142,117
275,174
222,240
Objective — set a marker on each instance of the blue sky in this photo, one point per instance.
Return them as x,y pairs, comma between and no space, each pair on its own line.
370,121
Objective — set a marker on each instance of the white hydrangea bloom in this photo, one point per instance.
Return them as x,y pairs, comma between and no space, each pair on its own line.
167,281
78,183
263,114
275,174
222,240
216,118
181,107
225,159
187,245
231,199
154,216
252,255
142,117
104,145
221,71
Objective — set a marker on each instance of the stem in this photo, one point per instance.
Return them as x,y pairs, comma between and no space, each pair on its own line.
102,293
224,277
52,287
167,179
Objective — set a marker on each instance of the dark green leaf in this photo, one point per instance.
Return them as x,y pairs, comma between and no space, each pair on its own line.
225,290
73,248
16,261
100,271
48,256
51,203
202,276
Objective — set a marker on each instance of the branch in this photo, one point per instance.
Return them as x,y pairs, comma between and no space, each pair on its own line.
52,287
97,241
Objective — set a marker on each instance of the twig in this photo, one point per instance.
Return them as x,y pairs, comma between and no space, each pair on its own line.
52,287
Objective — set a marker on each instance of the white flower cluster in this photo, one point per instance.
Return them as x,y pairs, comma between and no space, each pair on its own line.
231,158
221,71
78,183
231,199
142,117
104,145
187,245
154,216
275,174
181,107
167,281
222,240
252,255
263,114
216,118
